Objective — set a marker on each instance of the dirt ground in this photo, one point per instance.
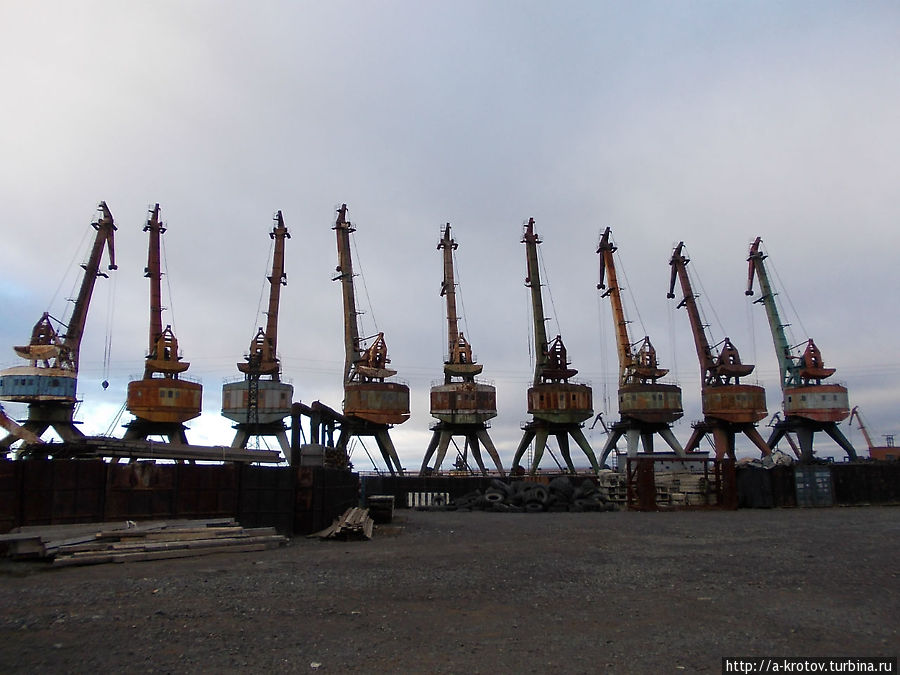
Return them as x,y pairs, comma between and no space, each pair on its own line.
477,592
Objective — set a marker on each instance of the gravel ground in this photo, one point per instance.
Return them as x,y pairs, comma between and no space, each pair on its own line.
449,592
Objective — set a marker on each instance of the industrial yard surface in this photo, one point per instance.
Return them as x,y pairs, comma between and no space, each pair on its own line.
451,592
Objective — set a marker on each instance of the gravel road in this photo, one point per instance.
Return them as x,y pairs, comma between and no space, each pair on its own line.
451,592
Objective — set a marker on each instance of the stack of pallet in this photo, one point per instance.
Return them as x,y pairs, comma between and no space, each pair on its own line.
108,542
355,523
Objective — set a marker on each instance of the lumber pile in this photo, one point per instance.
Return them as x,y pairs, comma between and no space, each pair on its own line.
91,544
354,524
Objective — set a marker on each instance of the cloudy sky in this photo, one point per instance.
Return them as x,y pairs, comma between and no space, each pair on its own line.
707,122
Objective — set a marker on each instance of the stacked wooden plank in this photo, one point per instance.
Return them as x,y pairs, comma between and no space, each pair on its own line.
355,523
128,542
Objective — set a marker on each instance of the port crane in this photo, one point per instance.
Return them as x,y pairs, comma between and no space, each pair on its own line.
48,383
729,407
259,403
371,405
461,405
888,451
809,404
557,406
161,401
646,406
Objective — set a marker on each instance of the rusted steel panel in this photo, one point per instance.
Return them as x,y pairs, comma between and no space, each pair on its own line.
141,490
561,403
379,402
267,497
10,495
62,491
206,491
820,402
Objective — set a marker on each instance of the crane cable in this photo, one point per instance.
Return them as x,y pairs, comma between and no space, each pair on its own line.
362,276
165,273
262,290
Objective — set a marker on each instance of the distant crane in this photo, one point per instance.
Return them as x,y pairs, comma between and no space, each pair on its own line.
885,452
259,406
728,406
557,406
371,405
461,405
646,406
161,402
48,383
809,405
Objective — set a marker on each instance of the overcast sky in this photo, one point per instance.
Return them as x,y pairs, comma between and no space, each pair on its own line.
707,122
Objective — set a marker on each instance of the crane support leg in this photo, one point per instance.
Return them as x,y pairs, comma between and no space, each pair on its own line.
476,452
563,440
432,446
838,437
610,445
540,442
672,442
488,444
753,434
805,436
723,441
696,438
527,437
443,444
647,441
578,435
387,450
632,437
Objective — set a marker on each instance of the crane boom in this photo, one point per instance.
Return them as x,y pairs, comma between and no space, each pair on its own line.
448,290
277,279
757,268
343,228
862,426
533,281
608,272
679,264
104,239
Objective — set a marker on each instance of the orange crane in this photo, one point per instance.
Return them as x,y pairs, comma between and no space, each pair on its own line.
728,406
161,402
48,383
885,452
461,405
646,406
809,404
371,405
259,406
557,406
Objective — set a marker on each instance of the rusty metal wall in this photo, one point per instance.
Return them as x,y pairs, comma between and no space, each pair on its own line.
57,492
322,495
10,504
267,498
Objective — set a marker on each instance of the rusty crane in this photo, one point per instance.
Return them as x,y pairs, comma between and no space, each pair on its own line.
557,406
886,452
48,383
728,406
461,405
371,405
809,404
161,401
646,406
260,402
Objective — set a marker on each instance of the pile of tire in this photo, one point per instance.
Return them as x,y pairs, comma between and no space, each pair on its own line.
561,494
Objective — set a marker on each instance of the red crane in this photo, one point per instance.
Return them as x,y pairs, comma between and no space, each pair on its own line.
728,406
161,402
48,383
461,405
